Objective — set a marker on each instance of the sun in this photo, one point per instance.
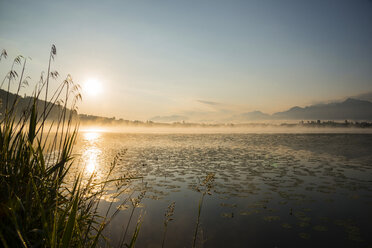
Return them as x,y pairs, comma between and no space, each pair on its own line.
92,87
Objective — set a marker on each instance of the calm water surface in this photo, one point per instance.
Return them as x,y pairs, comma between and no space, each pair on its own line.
270,190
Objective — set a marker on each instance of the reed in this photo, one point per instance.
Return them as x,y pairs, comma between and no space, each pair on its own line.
39,207
135,204
168,216
204,188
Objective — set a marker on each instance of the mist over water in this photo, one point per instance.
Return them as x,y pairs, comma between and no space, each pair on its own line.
270,189
253,129
197,123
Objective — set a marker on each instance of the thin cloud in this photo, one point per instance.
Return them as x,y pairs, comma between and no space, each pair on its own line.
209,102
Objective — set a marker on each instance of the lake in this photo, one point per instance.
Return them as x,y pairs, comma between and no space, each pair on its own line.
269,190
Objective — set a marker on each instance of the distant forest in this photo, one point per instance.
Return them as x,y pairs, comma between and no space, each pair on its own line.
23,104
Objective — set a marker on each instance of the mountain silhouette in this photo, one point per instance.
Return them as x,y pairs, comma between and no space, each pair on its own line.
350,109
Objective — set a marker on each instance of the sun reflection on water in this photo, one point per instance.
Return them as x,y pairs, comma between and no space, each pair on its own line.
91,155
91,136
91,152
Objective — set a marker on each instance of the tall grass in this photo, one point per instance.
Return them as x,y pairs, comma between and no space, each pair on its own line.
167,218
204,188
38,208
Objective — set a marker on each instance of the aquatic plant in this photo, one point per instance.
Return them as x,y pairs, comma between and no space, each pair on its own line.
167,218
135,204
39,207
204,188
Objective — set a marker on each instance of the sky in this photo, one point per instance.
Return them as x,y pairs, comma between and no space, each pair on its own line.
195,60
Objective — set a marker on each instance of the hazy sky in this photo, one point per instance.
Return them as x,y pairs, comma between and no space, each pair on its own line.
190,58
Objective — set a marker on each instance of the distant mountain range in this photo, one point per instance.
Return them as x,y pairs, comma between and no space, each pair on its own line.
350,109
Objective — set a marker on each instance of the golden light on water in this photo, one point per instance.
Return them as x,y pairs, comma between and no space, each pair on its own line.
91,155
91,136
91,152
